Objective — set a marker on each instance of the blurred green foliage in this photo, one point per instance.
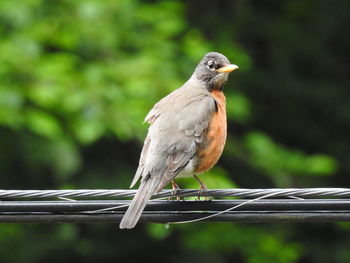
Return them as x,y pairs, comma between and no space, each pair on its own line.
78,77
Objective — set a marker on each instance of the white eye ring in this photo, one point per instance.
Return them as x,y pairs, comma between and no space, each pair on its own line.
211,65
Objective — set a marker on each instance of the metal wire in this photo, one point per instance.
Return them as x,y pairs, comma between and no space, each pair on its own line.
166,217
169,205
243,193
86,206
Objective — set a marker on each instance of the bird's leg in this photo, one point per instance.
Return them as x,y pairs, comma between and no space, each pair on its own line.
175,187
202,187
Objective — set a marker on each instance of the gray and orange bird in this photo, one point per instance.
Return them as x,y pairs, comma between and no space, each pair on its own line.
187,133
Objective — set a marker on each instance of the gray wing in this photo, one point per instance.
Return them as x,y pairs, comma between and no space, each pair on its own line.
171,143
141,161
175,131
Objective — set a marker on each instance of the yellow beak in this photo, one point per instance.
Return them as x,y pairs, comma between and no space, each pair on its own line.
228,68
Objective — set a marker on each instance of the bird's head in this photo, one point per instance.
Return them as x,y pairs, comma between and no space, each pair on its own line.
213,69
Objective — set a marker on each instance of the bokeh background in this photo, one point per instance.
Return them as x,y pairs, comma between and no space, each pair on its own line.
77,78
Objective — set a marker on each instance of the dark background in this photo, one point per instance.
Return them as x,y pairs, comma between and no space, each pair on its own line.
78,77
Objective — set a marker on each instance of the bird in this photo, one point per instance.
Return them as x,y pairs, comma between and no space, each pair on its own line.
186,136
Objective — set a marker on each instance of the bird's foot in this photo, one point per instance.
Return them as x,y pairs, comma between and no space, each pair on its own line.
200,192
175,188
201,189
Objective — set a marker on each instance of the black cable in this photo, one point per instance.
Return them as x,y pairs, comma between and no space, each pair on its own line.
23,206
166,217
179,206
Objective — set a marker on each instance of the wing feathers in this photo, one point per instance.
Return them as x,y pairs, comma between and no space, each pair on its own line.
175,131
141,162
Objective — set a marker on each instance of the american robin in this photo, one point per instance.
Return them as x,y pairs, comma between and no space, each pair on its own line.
187,133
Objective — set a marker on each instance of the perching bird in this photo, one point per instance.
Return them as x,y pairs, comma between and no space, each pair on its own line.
187,133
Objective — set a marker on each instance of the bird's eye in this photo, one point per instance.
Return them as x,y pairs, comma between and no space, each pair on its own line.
211,65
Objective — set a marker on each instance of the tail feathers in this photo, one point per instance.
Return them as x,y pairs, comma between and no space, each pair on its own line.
137,205
137,176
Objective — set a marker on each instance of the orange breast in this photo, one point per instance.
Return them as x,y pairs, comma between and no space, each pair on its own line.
211,149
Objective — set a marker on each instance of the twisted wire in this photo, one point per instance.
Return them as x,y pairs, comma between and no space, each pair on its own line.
117,193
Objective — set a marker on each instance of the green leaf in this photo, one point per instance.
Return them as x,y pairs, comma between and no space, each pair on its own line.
43,123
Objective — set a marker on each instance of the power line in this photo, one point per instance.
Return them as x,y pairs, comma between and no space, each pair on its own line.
162,217
90,206
243,193
167,205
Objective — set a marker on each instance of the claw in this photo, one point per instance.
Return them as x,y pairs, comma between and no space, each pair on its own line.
201,189
175,187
